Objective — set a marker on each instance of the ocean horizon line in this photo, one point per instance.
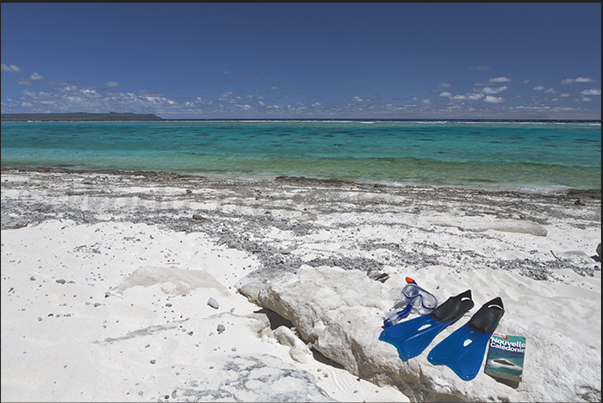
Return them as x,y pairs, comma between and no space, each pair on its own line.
339,119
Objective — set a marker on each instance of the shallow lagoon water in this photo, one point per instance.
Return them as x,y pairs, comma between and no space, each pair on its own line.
475,154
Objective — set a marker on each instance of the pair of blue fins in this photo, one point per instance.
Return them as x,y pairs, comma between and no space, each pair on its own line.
463,351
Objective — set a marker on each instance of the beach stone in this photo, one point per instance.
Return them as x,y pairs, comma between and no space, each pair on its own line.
213,303
221,328
377,276
580,202
199,217
599,250
9,222
298,351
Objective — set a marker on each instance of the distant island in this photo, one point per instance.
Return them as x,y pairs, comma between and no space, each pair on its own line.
77,117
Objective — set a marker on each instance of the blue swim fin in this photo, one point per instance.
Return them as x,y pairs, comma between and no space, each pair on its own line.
463,351
413,336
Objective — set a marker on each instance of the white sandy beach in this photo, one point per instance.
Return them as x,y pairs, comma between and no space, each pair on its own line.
107,281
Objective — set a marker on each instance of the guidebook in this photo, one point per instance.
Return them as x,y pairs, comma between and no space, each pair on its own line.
505,357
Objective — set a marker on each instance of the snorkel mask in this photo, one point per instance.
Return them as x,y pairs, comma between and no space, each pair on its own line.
414,299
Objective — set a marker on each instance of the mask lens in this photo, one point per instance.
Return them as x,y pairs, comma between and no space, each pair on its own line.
428,301
411,291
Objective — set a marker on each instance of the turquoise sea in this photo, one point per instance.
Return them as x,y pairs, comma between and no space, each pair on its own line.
502,155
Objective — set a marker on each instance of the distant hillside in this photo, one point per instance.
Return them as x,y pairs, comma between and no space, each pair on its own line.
79,116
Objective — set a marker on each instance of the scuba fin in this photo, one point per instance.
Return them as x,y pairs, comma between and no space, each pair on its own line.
463,351
413,336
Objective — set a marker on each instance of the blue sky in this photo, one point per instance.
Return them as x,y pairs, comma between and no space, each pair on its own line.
304,60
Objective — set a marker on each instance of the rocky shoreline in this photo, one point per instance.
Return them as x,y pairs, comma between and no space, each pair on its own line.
242,210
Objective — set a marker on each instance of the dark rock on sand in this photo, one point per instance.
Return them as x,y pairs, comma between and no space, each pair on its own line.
213,303
200,218
13,222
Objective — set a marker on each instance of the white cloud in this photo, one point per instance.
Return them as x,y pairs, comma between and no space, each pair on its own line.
36,76
592,91
499,80
75,98
228,96
577,80
550,91
30,81
204,101
460,97
491,90
90,92
11,68
480,103
225,96
59,82
493,100
475,97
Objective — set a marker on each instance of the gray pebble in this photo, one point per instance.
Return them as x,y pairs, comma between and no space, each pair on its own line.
213,303
61,281
221,328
